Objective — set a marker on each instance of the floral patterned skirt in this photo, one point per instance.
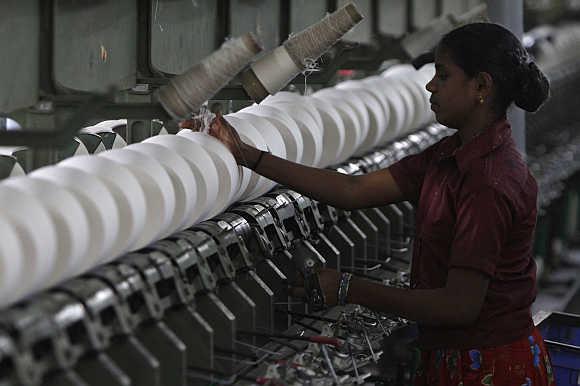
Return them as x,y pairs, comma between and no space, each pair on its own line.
525,362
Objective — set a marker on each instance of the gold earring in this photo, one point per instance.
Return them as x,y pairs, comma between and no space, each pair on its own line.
481,99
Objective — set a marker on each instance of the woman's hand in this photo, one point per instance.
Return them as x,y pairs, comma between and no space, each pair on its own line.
219,128
328,279
222,130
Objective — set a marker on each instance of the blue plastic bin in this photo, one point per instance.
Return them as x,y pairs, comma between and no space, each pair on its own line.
561,334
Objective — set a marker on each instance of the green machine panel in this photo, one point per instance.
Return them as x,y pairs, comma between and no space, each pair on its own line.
19,33
304,13
259,16
95,44
182,33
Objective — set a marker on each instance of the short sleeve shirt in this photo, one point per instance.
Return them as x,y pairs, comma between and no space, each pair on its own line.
476,209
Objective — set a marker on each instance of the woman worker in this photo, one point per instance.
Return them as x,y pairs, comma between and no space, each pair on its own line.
473,275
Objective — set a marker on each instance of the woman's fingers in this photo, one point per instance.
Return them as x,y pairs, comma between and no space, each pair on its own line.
220,129
191,124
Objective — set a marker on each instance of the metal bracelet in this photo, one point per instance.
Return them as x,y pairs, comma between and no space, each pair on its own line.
343,285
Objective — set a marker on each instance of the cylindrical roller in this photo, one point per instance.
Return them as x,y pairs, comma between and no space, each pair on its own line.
99,204
272,137
310,130
407,76
286,126
352,121
249,134
203,169
359,108
36,230
12,261
378,108
70,219
157,187
128,195
228,169
291,97
334,131
183,180
377,120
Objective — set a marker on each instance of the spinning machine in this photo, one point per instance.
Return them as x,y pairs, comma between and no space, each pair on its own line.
136,253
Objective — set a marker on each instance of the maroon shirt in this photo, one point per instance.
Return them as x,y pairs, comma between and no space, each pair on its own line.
476,210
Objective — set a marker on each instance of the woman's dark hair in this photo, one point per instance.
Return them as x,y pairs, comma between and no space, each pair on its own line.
491,48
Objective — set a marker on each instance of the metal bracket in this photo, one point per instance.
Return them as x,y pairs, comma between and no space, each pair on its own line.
226,239
301,204
242,258
173,263
262,223
202,249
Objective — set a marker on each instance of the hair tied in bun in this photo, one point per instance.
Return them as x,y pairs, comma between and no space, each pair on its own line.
533,88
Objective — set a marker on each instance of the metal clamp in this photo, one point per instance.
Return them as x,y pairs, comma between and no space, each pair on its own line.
26,329
64,312
13,361
281,211
300,203
158,271
142,301
241,256
203,247
97,298
173,262
210,251
225,239
109,275
313,216
262,223
146,312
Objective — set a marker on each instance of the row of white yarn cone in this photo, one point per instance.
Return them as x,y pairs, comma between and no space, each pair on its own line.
60,221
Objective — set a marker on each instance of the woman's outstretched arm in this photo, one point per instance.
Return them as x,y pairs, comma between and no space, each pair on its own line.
336,189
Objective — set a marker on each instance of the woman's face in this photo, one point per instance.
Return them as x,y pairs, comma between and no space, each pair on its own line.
453,94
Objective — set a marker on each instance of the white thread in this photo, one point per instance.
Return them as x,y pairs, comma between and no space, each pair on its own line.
318,38
204,116
188,91
155,16
300,52
310,66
